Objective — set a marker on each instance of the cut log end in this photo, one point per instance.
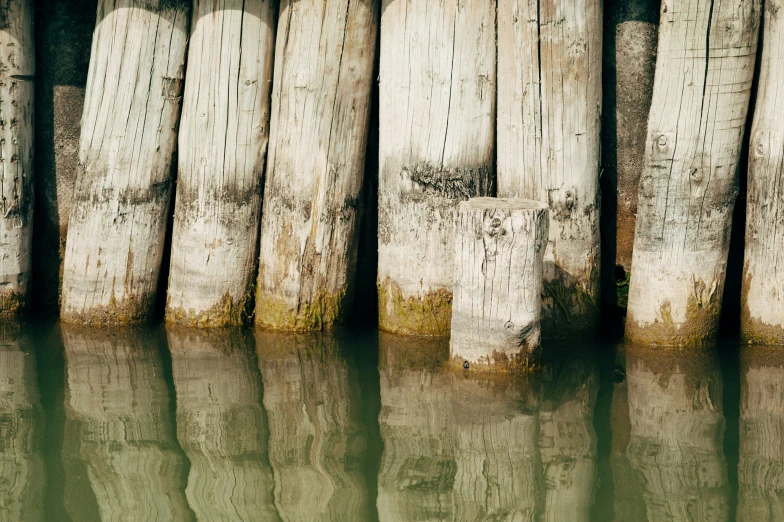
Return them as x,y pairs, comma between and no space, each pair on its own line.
499,254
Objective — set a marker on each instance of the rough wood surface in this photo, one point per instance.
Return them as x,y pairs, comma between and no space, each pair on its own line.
221,425
761,459
119,409
317,434
677,431
687,190
762,312
497,303
437,119
549,106
222,150
320,113
123,189
17,75
64,31
22,471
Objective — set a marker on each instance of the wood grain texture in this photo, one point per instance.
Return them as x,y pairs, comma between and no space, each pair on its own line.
222,151
497,292
762,312
549,106
677,430
221,424
320,114
128,136
17,75
120,414
687,190
436,140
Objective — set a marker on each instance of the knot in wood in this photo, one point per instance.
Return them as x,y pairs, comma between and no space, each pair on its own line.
696,175
509,326
569,200
662,141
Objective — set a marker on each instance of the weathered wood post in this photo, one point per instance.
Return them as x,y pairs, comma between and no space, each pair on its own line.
677,428
118,422
762,312
17,72
687,190
437,113
761,460
64,31
123,190
221,156
549,104
22,471
497,306
221,425
316,433
320,114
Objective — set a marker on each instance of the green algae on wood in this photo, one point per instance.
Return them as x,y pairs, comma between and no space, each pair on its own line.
223,313
429,314
324,311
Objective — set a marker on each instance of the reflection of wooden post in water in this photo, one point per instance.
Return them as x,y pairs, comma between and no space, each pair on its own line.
677,427
118,422
220,424
22,474
761,465
455,448
567,440
317,437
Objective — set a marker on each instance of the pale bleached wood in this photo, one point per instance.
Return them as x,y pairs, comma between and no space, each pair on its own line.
437,119
549,103
316,431
687,191
221,425
22,471
222,150
497,303
117,396
677,431
320,113
761,459
567,439
762,313
17,72
123,189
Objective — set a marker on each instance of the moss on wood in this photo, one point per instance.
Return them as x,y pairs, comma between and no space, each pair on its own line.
429,314
12,303
223,313
754,331
326,310
133,310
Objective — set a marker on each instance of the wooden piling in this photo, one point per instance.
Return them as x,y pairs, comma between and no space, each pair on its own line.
762,298
17,75
221,425
497,307
687,190
320,114
123,189
436,136
549,105
677,430
222,151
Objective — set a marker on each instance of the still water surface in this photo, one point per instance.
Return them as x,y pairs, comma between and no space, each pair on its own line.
162,424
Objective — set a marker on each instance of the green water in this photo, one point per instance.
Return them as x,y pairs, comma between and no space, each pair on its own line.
168,424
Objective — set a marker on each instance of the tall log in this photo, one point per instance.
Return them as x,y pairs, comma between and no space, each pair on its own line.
17,72
761,459
437,113
762,312
311,396
119,411
630,63
222,150
64,31
320,115
123,190
677,427
496,313
221,425
549,105
22,472
567,439
687,191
